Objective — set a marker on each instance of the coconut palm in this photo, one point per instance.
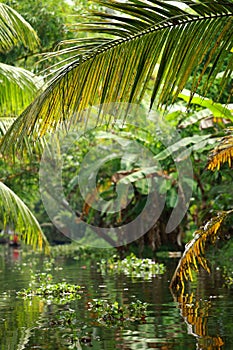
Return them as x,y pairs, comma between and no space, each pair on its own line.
15,29
140,47
18,88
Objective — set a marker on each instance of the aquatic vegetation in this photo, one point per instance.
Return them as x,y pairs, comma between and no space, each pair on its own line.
79,252
42,286
133,266
64,318
74,331
112,314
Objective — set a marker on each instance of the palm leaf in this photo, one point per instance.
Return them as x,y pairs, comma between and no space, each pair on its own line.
5,123
18,89
195,251
151,39
17,215
14,29
222,153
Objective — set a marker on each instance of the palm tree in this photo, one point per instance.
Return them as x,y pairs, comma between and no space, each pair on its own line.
140,47
18,88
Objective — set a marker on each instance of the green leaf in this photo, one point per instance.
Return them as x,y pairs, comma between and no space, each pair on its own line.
172,198
178,146
5,123
177,42
14,29
18,89
217,109
17,215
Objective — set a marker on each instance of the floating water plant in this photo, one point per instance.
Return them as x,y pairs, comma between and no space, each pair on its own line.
78,252
133,266
112,314
43,287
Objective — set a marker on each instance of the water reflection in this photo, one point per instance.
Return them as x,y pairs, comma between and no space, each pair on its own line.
201,319
196,314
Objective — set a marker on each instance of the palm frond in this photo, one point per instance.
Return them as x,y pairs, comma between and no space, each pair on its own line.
14,29
194,253
18,89
5,123
222,153
17,215
156,44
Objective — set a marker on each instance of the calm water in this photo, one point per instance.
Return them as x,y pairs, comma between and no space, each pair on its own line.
202,319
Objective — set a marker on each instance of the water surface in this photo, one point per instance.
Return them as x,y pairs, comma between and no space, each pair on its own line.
200,319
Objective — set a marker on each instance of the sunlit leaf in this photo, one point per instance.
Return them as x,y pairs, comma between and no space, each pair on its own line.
18,89
222,153
15,214
156,44
14,29
217,109
195,251
5,123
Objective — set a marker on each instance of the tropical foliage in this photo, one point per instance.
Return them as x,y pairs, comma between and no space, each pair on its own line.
153,45
15,29
144,52
16,215
195,251
19,86
17,90
223,152
209,233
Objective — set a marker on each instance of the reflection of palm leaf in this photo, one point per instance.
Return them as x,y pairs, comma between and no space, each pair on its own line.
195,250
222,153
156,45
14,212
195,314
